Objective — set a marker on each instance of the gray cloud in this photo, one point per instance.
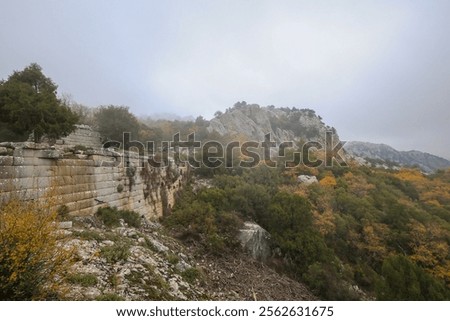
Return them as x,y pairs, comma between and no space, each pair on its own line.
377,71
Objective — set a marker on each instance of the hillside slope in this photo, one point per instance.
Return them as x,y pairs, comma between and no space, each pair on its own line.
146,263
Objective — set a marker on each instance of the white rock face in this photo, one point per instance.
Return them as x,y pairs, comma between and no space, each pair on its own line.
254,122
255,240
307,179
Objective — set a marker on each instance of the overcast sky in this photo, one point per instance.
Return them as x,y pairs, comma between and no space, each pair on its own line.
378,71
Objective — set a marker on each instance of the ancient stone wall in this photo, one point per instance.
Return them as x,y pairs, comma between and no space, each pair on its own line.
86,180
83,135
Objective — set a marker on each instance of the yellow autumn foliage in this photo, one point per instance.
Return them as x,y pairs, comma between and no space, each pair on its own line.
412,175
324,222
32,260
329,181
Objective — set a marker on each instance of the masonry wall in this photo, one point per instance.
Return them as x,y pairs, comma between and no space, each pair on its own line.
85,181
83,135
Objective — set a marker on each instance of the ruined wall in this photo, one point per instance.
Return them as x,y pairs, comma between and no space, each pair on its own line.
82,135
87,180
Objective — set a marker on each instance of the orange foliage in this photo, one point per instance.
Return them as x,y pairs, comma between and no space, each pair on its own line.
328,181
429,247
324,222
374,240
412,175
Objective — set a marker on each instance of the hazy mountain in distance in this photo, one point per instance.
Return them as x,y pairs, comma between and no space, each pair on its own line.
385,153
169,116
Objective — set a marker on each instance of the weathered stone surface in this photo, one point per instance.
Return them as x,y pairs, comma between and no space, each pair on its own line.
307,179
65,225
7,144
84,184
255,240
50,153
158,246
254,122
6,160
83,136
182,266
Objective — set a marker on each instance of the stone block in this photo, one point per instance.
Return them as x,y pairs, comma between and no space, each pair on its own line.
34,161
6,160
65,225
18,161
255,240
49,154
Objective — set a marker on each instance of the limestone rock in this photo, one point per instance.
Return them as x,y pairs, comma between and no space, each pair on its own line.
158,246
307,179
255,240
65,225
182,266
254,122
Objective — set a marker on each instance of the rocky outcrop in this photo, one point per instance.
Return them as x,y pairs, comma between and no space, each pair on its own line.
252,122
255,240
130,264
386,156
146,263
307,179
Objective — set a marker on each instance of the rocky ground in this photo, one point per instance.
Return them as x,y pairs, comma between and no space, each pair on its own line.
146,263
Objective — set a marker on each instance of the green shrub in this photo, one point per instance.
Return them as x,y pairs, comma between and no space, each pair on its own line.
326,282
204,217
120,251
172,259
131,218
404,280
191,275
83,279
153,284
111,216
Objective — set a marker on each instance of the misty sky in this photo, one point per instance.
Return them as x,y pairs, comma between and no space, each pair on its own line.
378,71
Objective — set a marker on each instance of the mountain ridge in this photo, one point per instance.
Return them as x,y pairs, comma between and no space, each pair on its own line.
390,156
253,122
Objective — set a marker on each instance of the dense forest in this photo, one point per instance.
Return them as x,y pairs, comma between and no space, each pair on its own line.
360,233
